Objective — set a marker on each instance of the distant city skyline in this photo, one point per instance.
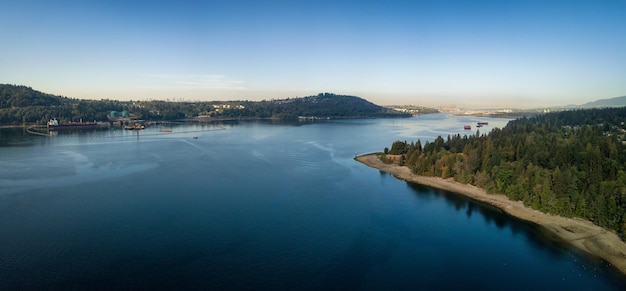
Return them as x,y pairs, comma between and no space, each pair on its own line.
480,54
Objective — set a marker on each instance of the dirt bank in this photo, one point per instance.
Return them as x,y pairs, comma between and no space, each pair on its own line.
580,233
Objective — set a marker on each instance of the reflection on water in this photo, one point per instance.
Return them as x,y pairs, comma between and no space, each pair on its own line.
539,237
257,205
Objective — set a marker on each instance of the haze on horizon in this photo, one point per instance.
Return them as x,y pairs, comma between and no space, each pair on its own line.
430,53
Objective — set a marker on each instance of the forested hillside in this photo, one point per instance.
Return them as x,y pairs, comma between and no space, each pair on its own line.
321,105
21,104
570,163
22,96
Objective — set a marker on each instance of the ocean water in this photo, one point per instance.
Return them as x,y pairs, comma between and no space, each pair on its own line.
259,205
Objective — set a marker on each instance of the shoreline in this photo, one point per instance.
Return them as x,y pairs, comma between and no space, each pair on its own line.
583,235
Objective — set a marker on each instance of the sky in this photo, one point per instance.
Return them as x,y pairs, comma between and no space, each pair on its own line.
482,54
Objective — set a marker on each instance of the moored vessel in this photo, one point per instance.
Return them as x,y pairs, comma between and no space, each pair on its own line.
53,124
136,126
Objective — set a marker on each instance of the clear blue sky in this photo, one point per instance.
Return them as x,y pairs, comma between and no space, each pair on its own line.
467,53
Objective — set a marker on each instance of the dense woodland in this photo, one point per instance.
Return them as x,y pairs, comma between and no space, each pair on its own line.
23,105
570,163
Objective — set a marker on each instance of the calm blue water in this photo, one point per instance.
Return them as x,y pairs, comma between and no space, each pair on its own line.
258,205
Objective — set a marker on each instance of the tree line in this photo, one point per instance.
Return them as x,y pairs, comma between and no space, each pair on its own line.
570,163
21,104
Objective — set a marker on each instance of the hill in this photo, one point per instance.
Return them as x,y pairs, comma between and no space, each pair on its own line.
611,102
22,96
22,104
323,105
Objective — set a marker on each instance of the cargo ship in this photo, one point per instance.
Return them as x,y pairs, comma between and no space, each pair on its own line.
54,124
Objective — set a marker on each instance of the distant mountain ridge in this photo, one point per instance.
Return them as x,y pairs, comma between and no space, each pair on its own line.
610,102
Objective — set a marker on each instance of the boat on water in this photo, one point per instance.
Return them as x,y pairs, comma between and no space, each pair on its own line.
483,123
53,124
136,126
165,130
467,127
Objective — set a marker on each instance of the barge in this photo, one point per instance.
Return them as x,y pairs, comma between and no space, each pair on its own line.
53,124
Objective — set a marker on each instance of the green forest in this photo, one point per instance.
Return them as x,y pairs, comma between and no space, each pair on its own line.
569,163
23,105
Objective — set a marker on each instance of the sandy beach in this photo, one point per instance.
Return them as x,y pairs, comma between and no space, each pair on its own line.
582,234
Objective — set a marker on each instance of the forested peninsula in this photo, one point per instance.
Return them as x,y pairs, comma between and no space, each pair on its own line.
571,164
23,105
580,233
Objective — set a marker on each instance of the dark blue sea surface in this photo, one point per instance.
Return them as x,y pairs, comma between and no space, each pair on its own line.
259,205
